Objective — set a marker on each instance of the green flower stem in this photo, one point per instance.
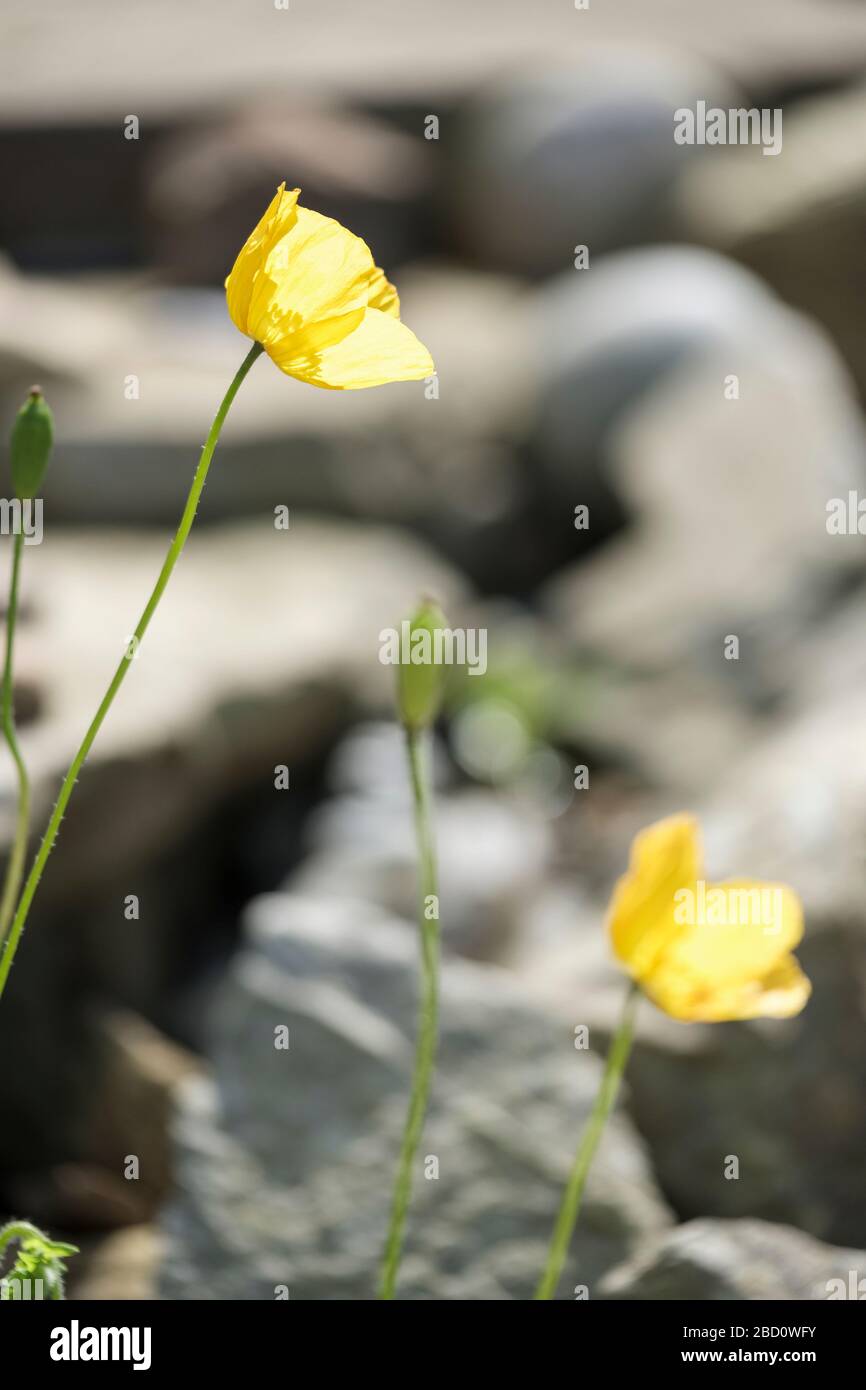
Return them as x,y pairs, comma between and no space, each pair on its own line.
428,1025
18,853
615,1065
171,560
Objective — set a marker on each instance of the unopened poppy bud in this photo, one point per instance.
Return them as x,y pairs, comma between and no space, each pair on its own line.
420,675
30,446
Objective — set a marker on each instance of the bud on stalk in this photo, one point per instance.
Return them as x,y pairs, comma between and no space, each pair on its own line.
30,445
420,678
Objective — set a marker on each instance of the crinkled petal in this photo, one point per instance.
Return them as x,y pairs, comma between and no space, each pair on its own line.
277,221
383,295
665,857
317,272
779,992
379,349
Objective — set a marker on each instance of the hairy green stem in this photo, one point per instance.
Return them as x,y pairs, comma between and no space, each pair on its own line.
18,1230
569,1210
428,1013
18,852
171,560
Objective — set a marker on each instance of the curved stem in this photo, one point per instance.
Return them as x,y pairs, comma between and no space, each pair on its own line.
425,1047
171,560
18,852
617,1058
17,1230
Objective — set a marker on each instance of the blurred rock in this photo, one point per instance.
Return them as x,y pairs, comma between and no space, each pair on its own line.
83,190
373,178
552,157
75,67
637,362
77,1197
49,318
607,337
285,1171
138,1076
122,1265
202,712
492,854
134,375
784,1098
797,807
724,543
239,674
800,224
734,1260
669,730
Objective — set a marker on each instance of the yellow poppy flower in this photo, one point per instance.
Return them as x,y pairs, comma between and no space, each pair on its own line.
705,952
310,292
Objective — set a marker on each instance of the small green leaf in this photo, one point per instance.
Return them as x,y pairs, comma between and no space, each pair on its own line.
39,1258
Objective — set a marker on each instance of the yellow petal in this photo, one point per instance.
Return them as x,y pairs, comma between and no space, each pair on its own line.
739,928
383,295
665,857
732,958
379,349
310,292
779,993
316,272
277,221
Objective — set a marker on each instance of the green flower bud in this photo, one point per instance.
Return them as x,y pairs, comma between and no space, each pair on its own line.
30,446
419,677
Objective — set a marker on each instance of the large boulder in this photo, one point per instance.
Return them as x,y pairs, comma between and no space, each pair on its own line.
800,222
550,157
241,672
493,853
285,1167
135,376
727,483
736,1260
637,418
382,59
208,186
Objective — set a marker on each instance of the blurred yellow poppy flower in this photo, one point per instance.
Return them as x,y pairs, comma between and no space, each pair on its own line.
705,952
310,292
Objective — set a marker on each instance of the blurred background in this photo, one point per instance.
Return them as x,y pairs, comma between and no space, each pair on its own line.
695,380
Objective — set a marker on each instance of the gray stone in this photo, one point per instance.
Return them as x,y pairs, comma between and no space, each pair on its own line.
285,1168
735,1260
724,542
771,46
442,460
635,354
795,808
372,177
277,685
550,157
799,225
122,1265
240,673
492,853
685,461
